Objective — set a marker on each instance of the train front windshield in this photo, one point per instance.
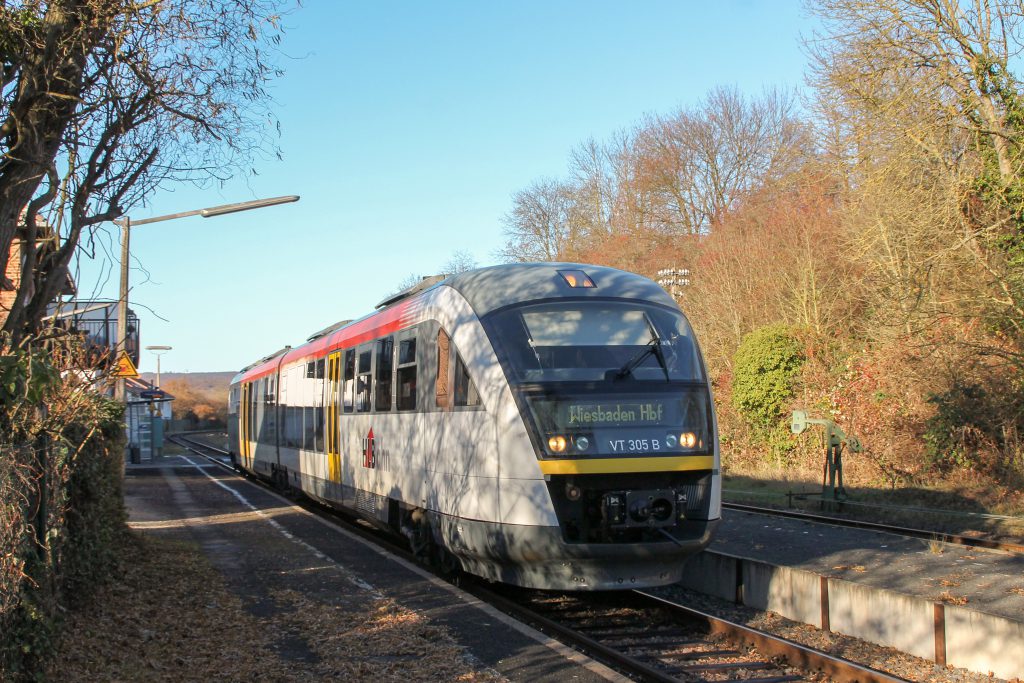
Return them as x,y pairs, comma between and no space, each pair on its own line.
605,377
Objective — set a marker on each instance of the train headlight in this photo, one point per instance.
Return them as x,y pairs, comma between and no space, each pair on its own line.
557,444
671,441
687,439
582,443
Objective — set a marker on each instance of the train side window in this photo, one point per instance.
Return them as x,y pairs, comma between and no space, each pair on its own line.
465,391
308,428
319,372
364,380
385,368
407,374
310,370
349,390
293,426
441,388
270,414
258,411
318,429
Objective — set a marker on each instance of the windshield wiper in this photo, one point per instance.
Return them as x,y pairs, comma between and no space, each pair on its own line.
652,347
531,343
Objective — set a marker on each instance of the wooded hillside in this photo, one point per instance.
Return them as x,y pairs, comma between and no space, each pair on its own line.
874,224
198,396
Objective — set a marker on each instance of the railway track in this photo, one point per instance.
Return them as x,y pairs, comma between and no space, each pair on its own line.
643,636
969,541
652,639
188,441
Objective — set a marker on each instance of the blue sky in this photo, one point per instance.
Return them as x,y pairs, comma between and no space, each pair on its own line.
406,127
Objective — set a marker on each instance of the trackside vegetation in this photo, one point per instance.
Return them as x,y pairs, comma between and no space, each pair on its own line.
102,102
766,368
61,505
877,217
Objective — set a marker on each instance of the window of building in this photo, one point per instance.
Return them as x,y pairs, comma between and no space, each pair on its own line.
465,391
407,374
385,367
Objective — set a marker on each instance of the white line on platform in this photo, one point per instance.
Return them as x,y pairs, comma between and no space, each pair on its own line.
355,580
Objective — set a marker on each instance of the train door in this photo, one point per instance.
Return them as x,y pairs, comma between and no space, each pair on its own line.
245,422
333,386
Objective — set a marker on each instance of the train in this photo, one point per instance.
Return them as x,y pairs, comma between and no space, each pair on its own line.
545,425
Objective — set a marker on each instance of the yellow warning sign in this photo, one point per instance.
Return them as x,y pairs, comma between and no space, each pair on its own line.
124,366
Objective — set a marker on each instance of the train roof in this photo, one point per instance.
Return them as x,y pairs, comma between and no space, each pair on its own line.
488,289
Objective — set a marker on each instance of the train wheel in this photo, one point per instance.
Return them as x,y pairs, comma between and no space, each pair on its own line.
421,540
446,564
426,550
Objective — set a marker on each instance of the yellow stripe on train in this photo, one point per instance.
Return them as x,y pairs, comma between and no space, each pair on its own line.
622,465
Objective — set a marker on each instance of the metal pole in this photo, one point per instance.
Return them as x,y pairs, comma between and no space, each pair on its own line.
158,350
122,303
122,306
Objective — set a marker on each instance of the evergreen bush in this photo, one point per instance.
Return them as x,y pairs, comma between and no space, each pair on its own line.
765,370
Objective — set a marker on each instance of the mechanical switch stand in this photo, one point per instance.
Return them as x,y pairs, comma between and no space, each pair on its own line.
835,439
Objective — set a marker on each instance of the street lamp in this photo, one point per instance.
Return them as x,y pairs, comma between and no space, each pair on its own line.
157,351
126,224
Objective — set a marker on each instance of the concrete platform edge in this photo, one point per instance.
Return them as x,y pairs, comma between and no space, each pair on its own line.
966,638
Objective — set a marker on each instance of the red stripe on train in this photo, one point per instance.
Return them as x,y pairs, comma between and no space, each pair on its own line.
386,322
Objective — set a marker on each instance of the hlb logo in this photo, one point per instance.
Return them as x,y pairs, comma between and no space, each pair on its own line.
369,454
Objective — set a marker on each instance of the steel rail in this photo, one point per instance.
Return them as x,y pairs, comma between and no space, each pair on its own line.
943,537
569,636
797,655
180,438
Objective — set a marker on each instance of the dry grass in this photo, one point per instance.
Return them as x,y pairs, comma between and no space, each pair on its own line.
171,617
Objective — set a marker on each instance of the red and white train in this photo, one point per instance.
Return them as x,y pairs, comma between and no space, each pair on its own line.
547,425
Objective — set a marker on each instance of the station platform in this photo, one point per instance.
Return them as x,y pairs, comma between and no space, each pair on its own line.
277,557
988,581
949,603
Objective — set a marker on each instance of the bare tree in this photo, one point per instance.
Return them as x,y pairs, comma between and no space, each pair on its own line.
922,112
538,226
955,55
698,162
459,262
103,101
671,175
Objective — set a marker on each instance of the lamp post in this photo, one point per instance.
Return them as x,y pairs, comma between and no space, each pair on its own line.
157,351
127,224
